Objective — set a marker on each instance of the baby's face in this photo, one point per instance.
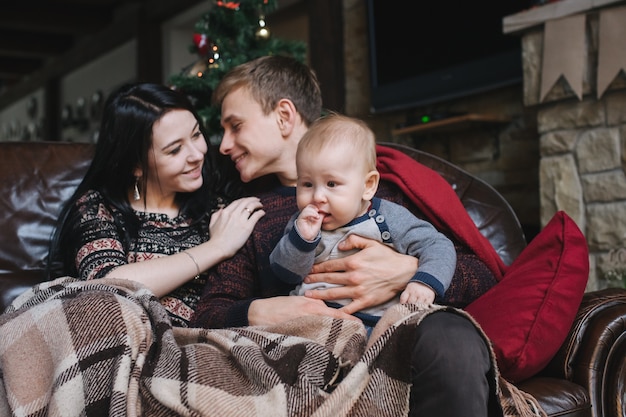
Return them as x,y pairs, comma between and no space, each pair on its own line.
334,182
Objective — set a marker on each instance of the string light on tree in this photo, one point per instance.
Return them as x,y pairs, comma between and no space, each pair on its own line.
215,58
198,68
262,32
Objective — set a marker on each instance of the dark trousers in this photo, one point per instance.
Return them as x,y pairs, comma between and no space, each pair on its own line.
451,370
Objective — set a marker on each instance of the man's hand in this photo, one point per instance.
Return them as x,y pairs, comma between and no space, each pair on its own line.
372,276
276,310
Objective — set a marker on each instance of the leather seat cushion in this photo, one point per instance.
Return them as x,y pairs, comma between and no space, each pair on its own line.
558,397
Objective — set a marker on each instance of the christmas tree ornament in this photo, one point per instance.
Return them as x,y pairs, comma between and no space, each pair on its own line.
201,41
233,5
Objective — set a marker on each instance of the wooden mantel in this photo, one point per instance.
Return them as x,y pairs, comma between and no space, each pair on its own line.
539,15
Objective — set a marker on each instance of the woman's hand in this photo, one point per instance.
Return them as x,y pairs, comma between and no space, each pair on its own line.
372,276
231,226
276,310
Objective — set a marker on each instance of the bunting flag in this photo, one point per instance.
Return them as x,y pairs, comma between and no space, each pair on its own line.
564,54
611,47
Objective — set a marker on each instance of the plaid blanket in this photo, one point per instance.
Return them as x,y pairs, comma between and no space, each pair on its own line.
107,348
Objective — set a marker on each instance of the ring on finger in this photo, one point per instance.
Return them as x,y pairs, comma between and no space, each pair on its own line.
248,210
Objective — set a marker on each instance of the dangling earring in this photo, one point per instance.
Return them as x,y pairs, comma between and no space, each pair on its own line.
136,195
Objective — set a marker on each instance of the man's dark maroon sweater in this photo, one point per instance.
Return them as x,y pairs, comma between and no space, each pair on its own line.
235,283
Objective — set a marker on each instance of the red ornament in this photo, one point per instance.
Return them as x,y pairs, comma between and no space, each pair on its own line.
202,43
233,5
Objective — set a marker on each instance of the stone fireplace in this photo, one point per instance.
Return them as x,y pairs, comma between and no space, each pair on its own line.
574,53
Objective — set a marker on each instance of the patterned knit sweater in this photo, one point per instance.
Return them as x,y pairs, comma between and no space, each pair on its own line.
247,276
101,249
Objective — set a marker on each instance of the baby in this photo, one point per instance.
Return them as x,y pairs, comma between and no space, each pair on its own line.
337,183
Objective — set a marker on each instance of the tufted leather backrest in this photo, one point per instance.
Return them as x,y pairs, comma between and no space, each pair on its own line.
493,215
36,178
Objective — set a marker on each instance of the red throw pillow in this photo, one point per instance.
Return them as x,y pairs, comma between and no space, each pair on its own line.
529,313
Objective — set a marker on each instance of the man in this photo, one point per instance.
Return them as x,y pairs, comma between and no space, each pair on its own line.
267,106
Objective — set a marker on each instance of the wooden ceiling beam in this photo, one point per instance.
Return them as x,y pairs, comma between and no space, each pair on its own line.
161,10
17,67
74,20
98,45
20,44
122,29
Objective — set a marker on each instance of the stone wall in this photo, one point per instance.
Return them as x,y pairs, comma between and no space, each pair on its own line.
583,156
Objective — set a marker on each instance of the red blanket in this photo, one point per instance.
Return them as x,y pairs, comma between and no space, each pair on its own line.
432,194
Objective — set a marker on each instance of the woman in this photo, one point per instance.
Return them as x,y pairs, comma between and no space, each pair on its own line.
150,208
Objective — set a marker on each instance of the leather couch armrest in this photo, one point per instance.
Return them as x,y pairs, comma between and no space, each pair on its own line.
594,353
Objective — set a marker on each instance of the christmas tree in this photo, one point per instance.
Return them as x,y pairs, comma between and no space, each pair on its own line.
229,34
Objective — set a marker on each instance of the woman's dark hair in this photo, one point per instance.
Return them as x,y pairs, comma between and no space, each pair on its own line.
124,140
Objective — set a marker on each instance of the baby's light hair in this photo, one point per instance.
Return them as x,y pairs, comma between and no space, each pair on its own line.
344,132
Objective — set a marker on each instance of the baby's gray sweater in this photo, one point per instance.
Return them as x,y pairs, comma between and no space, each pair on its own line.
386,222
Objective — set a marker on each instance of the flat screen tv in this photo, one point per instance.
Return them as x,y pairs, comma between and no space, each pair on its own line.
431,51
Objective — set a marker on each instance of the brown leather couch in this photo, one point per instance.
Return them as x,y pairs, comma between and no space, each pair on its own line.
586,378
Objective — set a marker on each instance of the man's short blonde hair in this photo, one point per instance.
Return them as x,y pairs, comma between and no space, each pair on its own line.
272,78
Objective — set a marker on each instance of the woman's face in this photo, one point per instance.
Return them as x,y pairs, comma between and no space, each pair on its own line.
175,157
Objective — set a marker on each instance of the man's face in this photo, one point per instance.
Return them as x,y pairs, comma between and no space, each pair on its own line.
251,138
